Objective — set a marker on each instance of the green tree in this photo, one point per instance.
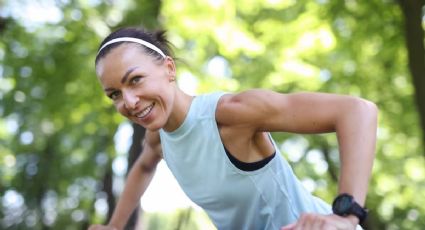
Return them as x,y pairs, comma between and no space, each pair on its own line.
57,128
343,47
414,37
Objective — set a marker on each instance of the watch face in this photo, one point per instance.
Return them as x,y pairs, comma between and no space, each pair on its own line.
343,204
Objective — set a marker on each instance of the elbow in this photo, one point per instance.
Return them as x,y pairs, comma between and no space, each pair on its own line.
367,111
371,109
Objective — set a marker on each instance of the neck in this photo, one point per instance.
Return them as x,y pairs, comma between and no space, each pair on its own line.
181,105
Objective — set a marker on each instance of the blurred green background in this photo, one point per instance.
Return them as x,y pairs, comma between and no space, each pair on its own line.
61,166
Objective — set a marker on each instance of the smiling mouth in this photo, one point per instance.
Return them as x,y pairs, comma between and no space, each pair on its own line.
146,111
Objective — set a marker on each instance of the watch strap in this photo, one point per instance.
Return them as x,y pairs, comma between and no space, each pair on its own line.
353,209
358,211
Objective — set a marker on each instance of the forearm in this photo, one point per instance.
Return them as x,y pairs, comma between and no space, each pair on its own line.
356,133
137,183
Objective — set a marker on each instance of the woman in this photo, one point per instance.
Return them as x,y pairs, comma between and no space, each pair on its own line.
218,145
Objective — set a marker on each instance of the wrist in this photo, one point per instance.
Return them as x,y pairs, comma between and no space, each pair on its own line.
344,205
114,226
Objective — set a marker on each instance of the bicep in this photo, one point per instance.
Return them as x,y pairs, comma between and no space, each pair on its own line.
264,110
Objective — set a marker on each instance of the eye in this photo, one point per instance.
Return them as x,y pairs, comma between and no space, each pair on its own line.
114,95
135,79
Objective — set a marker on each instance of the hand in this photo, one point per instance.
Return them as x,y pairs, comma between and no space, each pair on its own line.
313,221
101,227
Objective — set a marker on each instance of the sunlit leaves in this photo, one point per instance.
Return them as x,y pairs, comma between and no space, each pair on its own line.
57,127
344,47
53,125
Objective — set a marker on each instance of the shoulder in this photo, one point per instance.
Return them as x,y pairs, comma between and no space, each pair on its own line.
249,106
304,112
152,141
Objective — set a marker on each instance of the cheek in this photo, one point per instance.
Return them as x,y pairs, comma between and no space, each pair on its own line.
119,106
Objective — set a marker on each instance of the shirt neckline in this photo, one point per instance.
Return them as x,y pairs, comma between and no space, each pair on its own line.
185,124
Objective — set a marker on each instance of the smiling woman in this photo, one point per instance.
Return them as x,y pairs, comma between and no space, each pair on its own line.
219,148
136,72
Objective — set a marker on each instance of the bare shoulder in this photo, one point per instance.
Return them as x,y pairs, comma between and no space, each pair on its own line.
152,138
151,153
152,144
246,107
304,112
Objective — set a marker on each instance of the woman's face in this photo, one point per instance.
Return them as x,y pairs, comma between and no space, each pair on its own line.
141,87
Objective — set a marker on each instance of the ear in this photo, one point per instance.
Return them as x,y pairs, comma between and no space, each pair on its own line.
171,68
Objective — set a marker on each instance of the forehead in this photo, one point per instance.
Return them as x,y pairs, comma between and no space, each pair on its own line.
121,58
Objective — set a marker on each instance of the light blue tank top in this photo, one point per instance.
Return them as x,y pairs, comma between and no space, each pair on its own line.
267,198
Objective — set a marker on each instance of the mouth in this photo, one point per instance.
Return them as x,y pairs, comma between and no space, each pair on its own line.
145,112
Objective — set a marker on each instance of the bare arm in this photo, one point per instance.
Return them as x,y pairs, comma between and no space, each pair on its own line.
138,180
353,119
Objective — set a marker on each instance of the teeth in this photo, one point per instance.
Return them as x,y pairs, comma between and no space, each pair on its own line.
145,111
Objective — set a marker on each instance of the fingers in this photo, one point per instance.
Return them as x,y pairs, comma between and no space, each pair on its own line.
93,227
289,227
305,221
310,221
100,227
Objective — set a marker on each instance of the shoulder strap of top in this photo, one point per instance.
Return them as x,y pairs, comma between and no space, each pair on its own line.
207,104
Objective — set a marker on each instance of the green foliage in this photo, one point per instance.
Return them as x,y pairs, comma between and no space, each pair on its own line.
56,126
344,47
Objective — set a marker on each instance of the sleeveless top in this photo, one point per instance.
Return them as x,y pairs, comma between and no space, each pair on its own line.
267,198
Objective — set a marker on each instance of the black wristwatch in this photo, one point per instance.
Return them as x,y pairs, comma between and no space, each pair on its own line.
344,205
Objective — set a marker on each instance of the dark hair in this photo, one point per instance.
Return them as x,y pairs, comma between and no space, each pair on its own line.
156,38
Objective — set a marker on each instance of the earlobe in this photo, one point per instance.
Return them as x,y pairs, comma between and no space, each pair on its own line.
171,69
172,78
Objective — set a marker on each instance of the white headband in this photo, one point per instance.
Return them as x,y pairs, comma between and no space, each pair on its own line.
136,40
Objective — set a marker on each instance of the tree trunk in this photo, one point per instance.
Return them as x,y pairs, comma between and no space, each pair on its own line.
145,13
108,189
412,10
135,150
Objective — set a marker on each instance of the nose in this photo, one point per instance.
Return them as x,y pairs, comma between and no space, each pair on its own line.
130,100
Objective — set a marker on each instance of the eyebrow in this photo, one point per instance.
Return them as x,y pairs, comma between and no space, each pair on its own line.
124,78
